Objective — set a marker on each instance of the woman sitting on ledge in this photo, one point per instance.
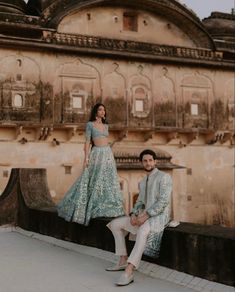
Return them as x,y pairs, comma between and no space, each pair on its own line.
96,193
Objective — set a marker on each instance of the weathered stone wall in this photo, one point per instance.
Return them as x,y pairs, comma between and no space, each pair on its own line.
43,88
184,109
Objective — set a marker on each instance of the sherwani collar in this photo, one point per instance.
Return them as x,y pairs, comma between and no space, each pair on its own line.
152,172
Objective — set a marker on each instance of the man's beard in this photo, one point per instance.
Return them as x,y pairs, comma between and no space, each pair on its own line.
150,169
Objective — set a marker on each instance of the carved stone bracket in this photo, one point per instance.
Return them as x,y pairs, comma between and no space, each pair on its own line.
45,132
172,136
218,137
19,131
71,132
148,135
225,137
232,140
221,137
122,134
192,137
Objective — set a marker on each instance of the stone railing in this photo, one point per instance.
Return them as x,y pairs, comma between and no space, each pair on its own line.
85,41
222,15
225,45
131,161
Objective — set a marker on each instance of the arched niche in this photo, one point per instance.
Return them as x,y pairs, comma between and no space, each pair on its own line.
164,100
20,88
114,96
195,104
140,99
229,102
77,89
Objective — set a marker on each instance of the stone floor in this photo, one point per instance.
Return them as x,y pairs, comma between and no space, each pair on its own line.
31,262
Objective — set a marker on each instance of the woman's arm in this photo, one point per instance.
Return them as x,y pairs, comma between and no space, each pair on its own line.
87,148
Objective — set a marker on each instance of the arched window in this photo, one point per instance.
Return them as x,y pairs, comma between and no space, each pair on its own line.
141,101
17,100
78,97
140,96
77,101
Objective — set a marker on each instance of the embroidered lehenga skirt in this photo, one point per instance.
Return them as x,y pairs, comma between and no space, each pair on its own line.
96,193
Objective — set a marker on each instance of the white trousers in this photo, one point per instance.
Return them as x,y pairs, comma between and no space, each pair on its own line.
120,227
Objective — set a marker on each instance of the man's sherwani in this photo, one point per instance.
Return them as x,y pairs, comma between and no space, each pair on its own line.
155,198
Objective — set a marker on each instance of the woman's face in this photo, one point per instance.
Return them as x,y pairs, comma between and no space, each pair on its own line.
100,112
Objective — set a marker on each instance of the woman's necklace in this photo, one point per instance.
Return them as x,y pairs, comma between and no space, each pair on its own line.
99,124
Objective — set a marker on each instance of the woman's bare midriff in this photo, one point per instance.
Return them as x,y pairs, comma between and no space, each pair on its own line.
100,142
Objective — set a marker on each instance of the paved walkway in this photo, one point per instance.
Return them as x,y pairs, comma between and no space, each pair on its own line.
32,262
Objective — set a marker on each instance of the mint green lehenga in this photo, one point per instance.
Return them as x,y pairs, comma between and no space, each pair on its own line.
96,193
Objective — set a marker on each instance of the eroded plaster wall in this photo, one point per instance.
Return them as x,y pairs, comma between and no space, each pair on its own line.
138,26
203,191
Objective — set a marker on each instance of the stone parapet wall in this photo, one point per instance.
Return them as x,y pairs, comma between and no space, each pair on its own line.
194,249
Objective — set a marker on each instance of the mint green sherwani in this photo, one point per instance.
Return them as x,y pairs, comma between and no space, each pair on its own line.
155,198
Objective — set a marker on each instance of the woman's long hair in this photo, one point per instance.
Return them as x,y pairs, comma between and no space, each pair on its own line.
94,113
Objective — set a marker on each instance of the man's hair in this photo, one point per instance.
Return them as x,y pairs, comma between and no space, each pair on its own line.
147,152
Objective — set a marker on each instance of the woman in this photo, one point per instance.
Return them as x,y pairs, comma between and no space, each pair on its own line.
96,193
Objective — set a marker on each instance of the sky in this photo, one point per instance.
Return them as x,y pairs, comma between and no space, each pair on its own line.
203,8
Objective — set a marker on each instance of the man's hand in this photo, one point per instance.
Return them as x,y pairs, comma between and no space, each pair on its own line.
142,217
133,220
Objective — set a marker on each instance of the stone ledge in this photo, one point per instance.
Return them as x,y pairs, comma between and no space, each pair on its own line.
190,248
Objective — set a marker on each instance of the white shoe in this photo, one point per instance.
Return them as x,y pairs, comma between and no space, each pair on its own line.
116,268
125,280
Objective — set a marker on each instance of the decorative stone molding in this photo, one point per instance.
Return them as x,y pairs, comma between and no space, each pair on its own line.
85,41
129,160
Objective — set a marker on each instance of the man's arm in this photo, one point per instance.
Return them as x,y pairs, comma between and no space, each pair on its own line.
139,203
141,218
164,199
137,207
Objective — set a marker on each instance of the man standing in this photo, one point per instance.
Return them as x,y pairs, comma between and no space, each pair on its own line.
147,220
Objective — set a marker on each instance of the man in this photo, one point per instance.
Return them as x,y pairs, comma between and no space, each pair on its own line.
147,220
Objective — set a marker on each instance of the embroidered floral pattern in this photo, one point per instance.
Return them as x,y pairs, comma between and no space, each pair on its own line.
96,193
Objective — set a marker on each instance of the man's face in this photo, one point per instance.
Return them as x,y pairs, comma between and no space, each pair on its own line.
148,162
